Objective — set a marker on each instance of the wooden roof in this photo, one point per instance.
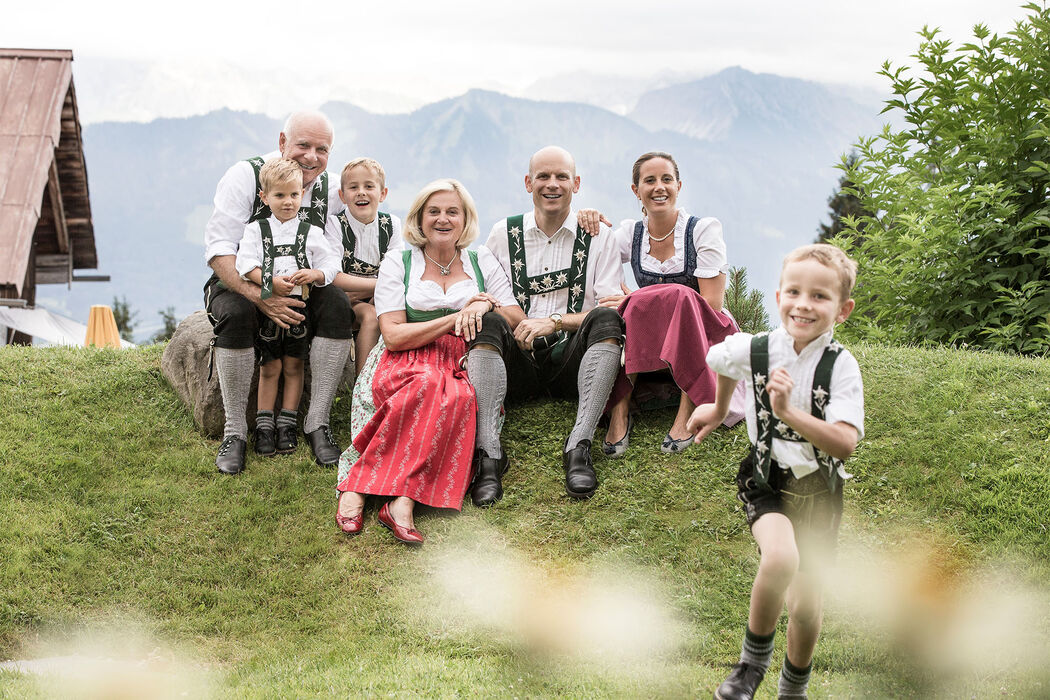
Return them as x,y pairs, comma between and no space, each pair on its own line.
45,214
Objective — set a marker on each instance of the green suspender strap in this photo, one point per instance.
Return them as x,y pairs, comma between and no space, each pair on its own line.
768,429
417,316
573,278
386,232
271,251
352,265
316,213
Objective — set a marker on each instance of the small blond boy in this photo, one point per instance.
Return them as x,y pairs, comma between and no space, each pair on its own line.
284,256
805,415
363,234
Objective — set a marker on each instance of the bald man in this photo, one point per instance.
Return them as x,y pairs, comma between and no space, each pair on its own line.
234,305
559,342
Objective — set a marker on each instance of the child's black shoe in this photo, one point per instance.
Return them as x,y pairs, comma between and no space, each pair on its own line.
287,440
741,684
264,442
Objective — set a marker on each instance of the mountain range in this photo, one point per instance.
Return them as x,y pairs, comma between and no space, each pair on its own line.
756,151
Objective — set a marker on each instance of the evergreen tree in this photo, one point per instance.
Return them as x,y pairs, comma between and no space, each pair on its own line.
843,203
747,307
125,318
170,324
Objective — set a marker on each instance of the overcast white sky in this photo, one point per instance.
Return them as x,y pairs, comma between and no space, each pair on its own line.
426,50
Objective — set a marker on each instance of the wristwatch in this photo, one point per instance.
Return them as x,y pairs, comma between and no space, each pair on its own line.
557,322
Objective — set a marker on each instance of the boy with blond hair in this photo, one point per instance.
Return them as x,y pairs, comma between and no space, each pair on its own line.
284,256
363,235
805,415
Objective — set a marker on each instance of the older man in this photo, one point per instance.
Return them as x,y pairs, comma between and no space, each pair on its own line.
559,342
234,304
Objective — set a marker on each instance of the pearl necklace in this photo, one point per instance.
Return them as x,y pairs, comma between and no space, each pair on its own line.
663,237
446,270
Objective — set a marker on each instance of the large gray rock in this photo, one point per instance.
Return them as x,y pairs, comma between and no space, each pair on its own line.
185,365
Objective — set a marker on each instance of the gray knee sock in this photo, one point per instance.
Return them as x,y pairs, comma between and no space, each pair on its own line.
235,368
598,370
757,649
488,374
286,417
264,420
794,681
327,359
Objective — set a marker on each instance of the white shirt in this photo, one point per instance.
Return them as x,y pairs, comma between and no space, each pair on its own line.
234,199
427,295
732,358
366,237
543,254
318,253
710,247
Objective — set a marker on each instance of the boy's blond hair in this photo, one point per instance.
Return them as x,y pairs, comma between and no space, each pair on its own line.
412,230
278,171
370,163
831,257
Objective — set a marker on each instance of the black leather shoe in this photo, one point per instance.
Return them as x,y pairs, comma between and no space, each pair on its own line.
326,451
580,479
287,439
231,455
741,684
264,442
487,488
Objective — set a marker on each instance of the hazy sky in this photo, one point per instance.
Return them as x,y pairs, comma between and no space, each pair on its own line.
426,50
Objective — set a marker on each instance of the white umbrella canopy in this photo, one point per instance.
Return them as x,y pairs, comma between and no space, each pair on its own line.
47,326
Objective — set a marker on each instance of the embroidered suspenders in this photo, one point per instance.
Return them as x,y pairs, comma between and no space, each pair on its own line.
686,276
271,251
573,278
316,214
351,264
415,316
768,429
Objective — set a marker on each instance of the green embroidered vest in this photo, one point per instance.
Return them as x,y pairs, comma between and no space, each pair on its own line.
573,278
271,251
768,429
316,213
351,264
415,316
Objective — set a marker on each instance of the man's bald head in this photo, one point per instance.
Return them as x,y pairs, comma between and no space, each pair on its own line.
307,139
552,180
549,154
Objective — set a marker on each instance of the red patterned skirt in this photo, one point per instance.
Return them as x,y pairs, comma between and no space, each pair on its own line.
420,441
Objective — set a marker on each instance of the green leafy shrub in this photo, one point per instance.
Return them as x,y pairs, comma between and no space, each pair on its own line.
957,248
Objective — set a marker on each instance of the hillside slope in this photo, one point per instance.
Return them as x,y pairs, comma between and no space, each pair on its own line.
114,520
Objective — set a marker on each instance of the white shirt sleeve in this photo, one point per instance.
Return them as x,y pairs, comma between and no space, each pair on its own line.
234,198
847,393
321,256
390,286
397,235
498,245
732,357
608,269
710,247
496,282
249,250
333,236
625,239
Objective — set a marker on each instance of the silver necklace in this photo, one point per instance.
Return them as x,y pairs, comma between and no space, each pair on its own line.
446,270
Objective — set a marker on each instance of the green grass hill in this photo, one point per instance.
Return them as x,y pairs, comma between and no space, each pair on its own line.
120,541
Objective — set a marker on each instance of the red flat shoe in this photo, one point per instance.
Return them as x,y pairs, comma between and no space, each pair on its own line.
352,525
401,534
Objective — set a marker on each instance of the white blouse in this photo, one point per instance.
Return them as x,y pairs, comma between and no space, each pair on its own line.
732,358
427,295
710,247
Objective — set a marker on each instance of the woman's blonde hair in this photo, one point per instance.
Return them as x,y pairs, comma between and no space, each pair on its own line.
413,231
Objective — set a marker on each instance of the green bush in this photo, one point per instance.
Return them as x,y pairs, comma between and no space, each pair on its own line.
957,250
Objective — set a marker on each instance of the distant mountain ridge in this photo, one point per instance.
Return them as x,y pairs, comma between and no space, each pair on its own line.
756,151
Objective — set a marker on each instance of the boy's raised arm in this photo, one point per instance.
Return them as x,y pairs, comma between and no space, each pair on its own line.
709,416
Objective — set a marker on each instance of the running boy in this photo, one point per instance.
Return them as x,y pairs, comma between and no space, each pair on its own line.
805,414
284,256
363,234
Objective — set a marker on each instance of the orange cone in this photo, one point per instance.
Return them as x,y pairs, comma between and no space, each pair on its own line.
102,328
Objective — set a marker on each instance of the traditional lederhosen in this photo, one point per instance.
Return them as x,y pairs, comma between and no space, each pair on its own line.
645,277
316,214
352,265
768,429
415,316
269,330
573,278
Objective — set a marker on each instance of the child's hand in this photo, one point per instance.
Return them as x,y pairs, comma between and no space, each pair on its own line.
282,287
704,420
779,387
306,276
